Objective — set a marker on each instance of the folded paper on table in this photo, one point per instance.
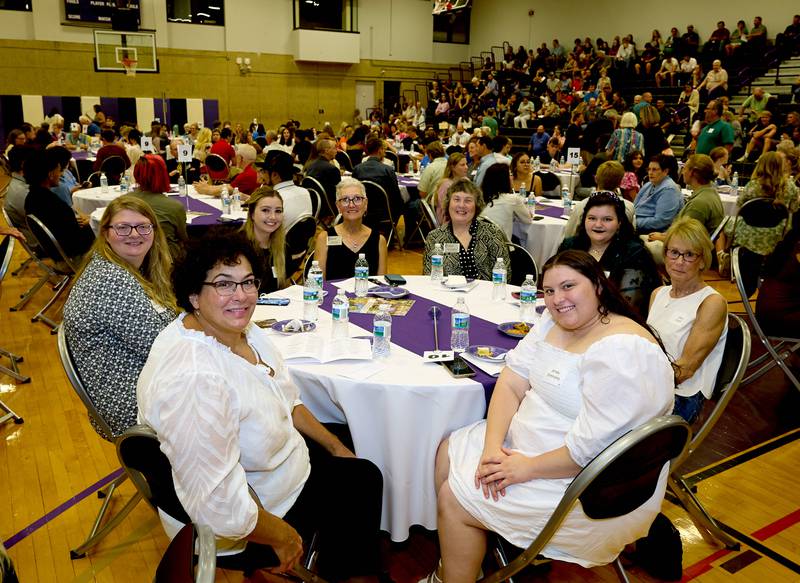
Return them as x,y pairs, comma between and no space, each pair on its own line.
309,346
490,368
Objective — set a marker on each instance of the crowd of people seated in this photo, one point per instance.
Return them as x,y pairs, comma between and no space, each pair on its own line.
630,320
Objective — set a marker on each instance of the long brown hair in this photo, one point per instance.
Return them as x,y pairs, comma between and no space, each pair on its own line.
277,240
769,173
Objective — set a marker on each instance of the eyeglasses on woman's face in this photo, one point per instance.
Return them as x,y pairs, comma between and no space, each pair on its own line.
688,256
125,230
227,287
351,200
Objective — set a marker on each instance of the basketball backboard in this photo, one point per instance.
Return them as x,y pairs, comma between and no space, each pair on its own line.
114,48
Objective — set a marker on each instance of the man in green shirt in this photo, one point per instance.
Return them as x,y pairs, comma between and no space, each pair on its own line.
716,132
755,104
490,122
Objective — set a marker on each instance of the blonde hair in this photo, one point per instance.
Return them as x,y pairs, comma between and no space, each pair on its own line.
694,234
202,143
277,240
154,274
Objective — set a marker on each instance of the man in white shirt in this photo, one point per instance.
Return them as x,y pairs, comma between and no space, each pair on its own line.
716,82
460,137
687,70
296,200
669,68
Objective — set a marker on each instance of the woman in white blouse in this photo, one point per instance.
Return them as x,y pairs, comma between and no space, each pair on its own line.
587,373
228,416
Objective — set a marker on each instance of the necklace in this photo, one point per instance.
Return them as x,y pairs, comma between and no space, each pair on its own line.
676,293
353,241
596,253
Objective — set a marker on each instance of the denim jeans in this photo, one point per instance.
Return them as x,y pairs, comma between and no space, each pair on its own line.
689,407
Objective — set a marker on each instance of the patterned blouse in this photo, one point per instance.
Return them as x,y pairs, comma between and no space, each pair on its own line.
110,324
476,261
759,239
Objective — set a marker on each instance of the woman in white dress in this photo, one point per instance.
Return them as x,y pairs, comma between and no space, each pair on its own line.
588,372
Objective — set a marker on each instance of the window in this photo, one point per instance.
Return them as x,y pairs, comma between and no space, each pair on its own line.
337,15
210,12
451,26
23,5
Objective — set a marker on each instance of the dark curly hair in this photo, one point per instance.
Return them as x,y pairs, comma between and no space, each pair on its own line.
220,246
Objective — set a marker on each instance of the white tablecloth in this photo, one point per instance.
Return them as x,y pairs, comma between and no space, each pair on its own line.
728,201
399,414
542,237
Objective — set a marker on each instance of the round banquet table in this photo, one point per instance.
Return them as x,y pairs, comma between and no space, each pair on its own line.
399,408
543,236
729,205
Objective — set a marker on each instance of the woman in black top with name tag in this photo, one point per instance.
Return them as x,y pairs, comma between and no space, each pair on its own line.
265,231
337,249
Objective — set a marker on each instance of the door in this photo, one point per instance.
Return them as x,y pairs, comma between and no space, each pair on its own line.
365,97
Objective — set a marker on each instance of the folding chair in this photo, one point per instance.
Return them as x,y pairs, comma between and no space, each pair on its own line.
313,185
618,480
97,533
426,216
522,263
379,211
731,371
6,251
344,160
67,269
393,158
178,563
113,167
778,349
298,239
217,167
763,213
150,471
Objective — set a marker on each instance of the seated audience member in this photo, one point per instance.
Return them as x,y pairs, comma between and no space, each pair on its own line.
202,145
762,136
337,248
456,168
175,168
508,473
374,170
121,300
110,148
609,178
279,170
778,302
503,206
525,111
635,173
321,168
690,316
757,39
788,41
655,142
722,169
704,204
212,373
754,105
538,143
17,193
434,171
75,140
246,180
659,200
150,174
483,150
43,172
716,81
480,242
222,147
522,175
67,184
769,180
718,39
266,232
625,139
607,235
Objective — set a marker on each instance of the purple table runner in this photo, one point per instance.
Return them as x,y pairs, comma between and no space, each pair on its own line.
414,331
200,206
554,212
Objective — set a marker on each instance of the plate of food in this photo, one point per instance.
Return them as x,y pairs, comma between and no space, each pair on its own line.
486,352
514,329
456,282
387,292
294,326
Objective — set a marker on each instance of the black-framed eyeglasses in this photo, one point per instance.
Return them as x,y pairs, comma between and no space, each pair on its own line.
353,200
227,288
688,256
124,229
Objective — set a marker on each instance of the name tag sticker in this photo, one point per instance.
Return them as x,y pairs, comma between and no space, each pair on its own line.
678,319
334,240
710,130
84,129
452,248
554,375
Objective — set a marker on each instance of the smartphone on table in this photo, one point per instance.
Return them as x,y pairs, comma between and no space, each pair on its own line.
394,280
459,368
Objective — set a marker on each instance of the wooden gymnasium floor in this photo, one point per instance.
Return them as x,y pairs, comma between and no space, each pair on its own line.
51,465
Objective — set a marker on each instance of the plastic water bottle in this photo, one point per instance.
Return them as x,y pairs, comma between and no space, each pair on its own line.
236,201
565,199
311,294
123,184
523,192
537,164
499,280
315,273
531,202
361,274
226,200
103,182
341,315
562,162
574,168
459,326
735,184
437,263
553,165
527,300
182,190
382,332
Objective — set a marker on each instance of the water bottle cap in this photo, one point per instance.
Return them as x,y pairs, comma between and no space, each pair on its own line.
361,256
529,276
315,264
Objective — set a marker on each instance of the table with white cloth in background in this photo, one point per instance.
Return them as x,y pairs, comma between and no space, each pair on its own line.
398,409
543,236
729,205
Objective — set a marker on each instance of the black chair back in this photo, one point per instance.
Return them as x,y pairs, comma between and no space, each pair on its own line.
6,251
762,213
379,212
328,203
522,263
394,158
113,167
47,241
298,238
344,161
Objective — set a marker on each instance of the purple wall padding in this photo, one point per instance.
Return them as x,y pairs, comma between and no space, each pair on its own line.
110,108
158,109
210,111
49,102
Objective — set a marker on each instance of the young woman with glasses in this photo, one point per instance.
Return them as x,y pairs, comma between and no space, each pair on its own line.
338,248
120,302
690,316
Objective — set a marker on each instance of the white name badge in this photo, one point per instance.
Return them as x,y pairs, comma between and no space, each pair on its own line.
84,129
147,144
710,130
334,240
184,153
157,120
452,248
274,272
574,155
554,374
678,319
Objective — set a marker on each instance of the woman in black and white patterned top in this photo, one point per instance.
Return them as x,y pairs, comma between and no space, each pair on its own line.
471,245
120,302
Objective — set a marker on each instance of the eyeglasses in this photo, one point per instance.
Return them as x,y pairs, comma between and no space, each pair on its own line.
688,256
124,229
353,200
227,288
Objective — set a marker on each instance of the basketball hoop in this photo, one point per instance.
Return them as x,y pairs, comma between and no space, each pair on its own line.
130,66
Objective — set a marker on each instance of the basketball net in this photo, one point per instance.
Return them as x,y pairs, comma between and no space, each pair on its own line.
130,66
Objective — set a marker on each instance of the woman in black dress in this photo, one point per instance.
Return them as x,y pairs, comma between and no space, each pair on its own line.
265,231
337,248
